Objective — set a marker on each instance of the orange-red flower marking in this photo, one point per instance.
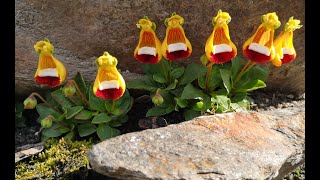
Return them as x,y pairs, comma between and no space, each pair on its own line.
219,48
259,48
109,83
50,70
149,46
175,45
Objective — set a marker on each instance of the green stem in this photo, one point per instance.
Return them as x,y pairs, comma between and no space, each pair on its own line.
209,69
82,96
244,71
42,99
169,71
164,70
240,73
113,105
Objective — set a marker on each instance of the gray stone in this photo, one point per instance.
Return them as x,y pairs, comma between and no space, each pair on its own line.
83,30
242,145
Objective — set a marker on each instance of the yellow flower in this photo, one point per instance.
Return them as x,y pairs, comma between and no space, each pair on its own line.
259,48
109,83
219,48
283,44
148,49
50,70
175,45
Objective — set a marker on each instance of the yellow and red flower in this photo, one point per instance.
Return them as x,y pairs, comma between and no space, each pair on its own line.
175,45
50,70
259,48
283,44
109,83
219,48
149,46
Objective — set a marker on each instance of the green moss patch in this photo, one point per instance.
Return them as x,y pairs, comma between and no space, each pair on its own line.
60,158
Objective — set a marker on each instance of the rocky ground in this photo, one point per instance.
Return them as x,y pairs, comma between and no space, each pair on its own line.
262,101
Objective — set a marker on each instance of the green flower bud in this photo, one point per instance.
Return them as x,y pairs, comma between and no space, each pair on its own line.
204,60
30,102
69,89
47,122
200,104
157,99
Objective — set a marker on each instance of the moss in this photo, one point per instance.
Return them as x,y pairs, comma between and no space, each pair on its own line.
59,159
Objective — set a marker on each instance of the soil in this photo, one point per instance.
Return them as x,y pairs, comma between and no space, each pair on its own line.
262,100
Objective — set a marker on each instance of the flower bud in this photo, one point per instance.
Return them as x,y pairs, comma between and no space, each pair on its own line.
200,104
47,122
204,60
30,102
69,89
157,99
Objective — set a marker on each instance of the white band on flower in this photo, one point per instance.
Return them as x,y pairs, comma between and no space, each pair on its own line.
177,47
51,72
220,48
109,85
287,51
260,49
147,50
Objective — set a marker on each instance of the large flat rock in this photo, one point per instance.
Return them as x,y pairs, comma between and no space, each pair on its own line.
242,145
82,30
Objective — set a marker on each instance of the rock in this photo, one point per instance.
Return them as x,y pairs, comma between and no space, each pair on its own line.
82,30
242,145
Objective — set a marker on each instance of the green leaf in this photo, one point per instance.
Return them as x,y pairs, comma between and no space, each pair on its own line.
120,119
101,118
155,68
86,129
96,103
158,111
220,92
250,86
215,77
159,78
72,111
168,98
255,73
70,135
235,67
190,92
172,85
190,114
202,82
177,92
192,72
84,115
61,118
81,83
45,111
115,124
141,84
55,130
225,76
239,97
104,131
108,105
222,101
75,100
181,102
125,103
116,111
177,72
59,97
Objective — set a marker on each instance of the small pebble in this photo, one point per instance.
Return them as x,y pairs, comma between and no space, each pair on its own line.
290,96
